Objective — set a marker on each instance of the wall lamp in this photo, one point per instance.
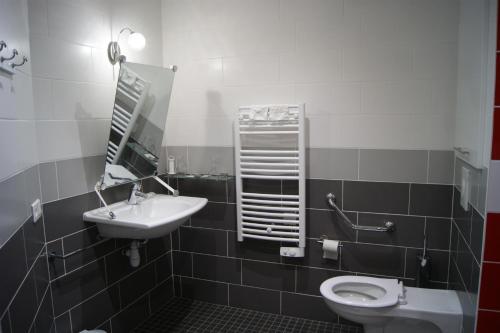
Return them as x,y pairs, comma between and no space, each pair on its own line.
136,41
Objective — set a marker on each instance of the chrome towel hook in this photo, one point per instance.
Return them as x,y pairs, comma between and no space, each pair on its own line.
2,45
25,60
14,54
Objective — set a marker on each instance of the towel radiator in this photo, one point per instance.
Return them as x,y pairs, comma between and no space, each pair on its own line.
270,175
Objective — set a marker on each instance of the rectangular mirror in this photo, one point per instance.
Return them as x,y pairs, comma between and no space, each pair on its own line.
138,123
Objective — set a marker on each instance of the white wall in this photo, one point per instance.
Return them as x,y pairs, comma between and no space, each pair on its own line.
73,82
373,73
17,126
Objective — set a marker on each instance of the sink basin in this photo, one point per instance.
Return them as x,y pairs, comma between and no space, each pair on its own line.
154,216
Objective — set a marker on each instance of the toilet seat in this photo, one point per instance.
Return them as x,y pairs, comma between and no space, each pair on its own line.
362,291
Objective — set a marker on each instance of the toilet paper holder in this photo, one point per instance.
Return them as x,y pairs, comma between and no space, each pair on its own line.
325,237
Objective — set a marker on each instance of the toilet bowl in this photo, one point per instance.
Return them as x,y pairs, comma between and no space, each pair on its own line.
386,306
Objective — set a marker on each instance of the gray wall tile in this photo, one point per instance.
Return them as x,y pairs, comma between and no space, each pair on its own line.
393,165
31,187
376,197
441,166
431,200
332,163
181,158
162,160
211,160
481,191
12,206
79,175
48,180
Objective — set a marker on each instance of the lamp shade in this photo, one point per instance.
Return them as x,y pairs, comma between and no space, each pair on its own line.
136,41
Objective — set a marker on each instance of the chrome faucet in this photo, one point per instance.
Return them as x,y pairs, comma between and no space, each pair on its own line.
135,191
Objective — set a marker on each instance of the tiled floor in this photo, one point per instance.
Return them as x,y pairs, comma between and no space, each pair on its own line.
185,315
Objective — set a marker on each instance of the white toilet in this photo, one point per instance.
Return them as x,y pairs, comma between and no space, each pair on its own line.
386,306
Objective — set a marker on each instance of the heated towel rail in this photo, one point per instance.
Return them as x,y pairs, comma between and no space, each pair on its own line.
270,173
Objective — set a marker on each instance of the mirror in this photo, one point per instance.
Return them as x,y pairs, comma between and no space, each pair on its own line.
475,77
138,123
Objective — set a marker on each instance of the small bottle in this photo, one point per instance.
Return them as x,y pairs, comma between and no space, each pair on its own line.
171,165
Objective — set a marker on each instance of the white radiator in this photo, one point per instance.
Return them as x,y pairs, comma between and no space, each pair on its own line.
270,153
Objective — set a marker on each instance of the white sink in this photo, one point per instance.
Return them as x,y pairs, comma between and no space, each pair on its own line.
154,216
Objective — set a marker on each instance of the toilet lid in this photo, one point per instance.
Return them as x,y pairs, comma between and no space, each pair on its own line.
363,291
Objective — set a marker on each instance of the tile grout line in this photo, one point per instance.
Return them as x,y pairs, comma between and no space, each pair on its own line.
428,166
409,198
28,272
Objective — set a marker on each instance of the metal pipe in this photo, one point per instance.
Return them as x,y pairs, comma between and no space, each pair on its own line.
53,255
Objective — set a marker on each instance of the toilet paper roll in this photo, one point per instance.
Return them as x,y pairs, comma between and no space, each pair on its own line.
330,249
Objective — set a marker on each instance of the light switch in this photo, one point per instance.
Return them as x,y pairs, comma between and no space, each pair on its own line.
36,210
465,189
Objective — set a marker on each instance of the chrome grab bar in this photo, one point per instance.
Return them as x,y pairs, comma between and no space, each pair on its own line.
388,225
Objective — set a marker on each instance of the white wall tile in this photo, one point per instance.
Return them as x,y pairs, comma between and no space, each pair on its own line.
144,17
17,146
388,131
199,74
319,24
435,61
42,98
259,69
24,144
234,97
347,98
15,29
38,16
380,21
16,97
323,131
68,139
443,96
329,98
93,136
78,23
317,98
17,142
71,62
365,69
398,97
199,131
7,98
23,94
377,62
10,154
310,66
433,20
176,48
102,70
78,101
74,81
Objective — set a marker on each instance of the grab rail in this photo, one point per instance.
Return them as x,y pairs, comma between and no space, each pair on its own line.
388,225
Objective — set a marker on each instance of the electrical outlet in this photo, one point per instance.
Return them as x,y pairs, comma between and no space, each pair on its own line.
36,210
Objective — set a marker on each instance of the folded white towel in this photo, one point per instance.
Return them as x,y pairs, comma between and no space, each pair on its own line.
278,112
260,113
